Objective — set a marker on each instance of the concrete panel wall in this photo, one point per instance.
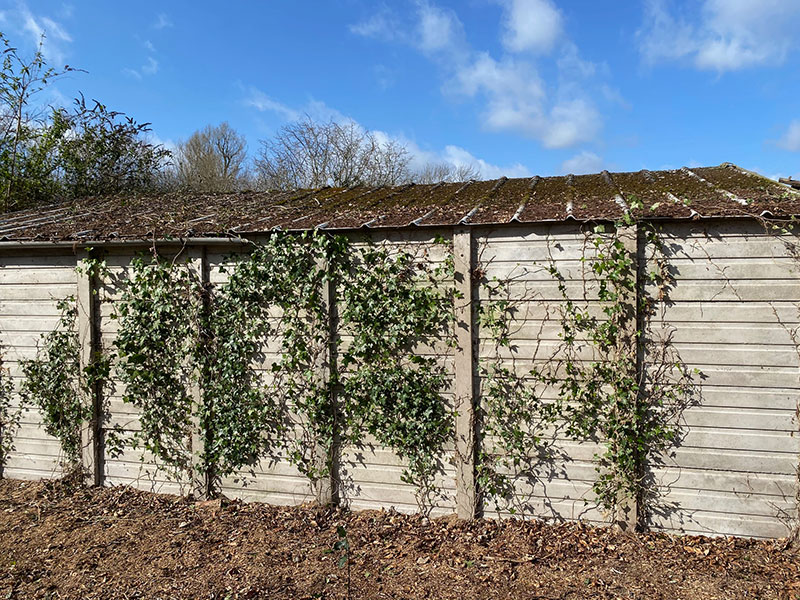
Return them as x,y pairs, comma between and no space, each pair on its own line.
731,313
31,285
371,474
559,484
134,467
271,480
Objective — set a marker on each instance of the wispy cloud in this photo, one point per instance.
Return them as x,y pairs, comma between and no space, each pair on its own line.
162,21
381,25
583,162
791,138
132,73
150,67
439,30
432,30
420,157
513,95
39,29
531,25
260,101
459,157
724,35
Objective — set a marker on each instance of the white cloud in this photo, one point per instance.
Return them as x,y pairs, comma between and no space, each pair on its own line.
583,162
55,30
459,157
162,21
51,34
434,31
382,25
455,156
531,25
516,101
512,95
725,35
419,157
260,101
169,144
132,73
314,109
150,67
791,139
438,29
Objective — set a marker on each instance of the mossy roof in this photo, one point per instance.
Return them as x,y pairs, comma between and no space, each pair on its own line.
687,193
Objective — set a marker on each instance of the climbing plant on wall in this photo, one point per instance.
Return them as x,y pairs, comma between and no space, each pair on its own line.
272,298
10,415
61,387
158,315
601,394
52,383
174,334
393,304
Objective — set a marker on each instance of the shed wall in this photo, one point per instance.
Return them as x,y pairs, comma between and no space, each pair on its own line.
559,484
135,467
31,285
272,481
371,474
732,313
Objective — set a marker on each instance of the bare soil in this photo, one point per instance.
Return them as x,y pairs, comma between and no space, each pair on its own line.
57,541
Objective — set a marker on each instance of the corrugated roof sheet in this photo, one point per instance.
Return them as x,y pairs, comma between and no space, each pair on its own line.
726,190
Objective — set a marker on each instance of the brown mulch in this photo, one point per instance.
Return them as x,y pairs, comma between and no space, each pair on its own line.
61,542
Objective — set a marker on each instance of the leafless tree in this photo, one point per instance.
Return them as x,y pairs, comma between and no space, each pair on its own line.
212,159
436,172
308,154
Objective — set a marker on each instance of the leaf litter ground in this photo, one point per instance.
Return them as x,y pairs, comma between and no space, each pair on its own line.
84,543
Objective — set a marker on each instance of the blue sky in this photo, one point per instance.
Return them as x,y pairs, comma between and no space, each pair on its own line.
514,87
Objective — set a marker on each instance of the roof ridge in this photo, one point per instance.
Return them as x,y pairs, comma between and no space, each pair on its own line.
618,196
722,190
442,204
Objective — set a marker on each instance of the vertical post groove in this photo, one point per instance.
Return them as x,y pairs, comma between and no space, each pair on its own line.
327,489
465,366
89,341
641,328
202,479
627,515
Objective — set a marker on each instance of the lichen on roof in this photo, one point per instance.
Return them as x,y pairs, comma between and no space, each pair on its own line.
687,193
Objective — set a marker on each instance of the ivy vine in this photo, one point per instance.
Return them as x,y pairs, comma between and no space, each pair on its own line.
391,304
176,333
632,413
51,383
514,419
10,415
155,343
273,296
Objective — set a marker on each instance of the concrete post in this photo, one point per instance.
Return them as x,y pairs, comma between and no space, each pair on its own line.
327,489
201,478
627,516
88,323
467,504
